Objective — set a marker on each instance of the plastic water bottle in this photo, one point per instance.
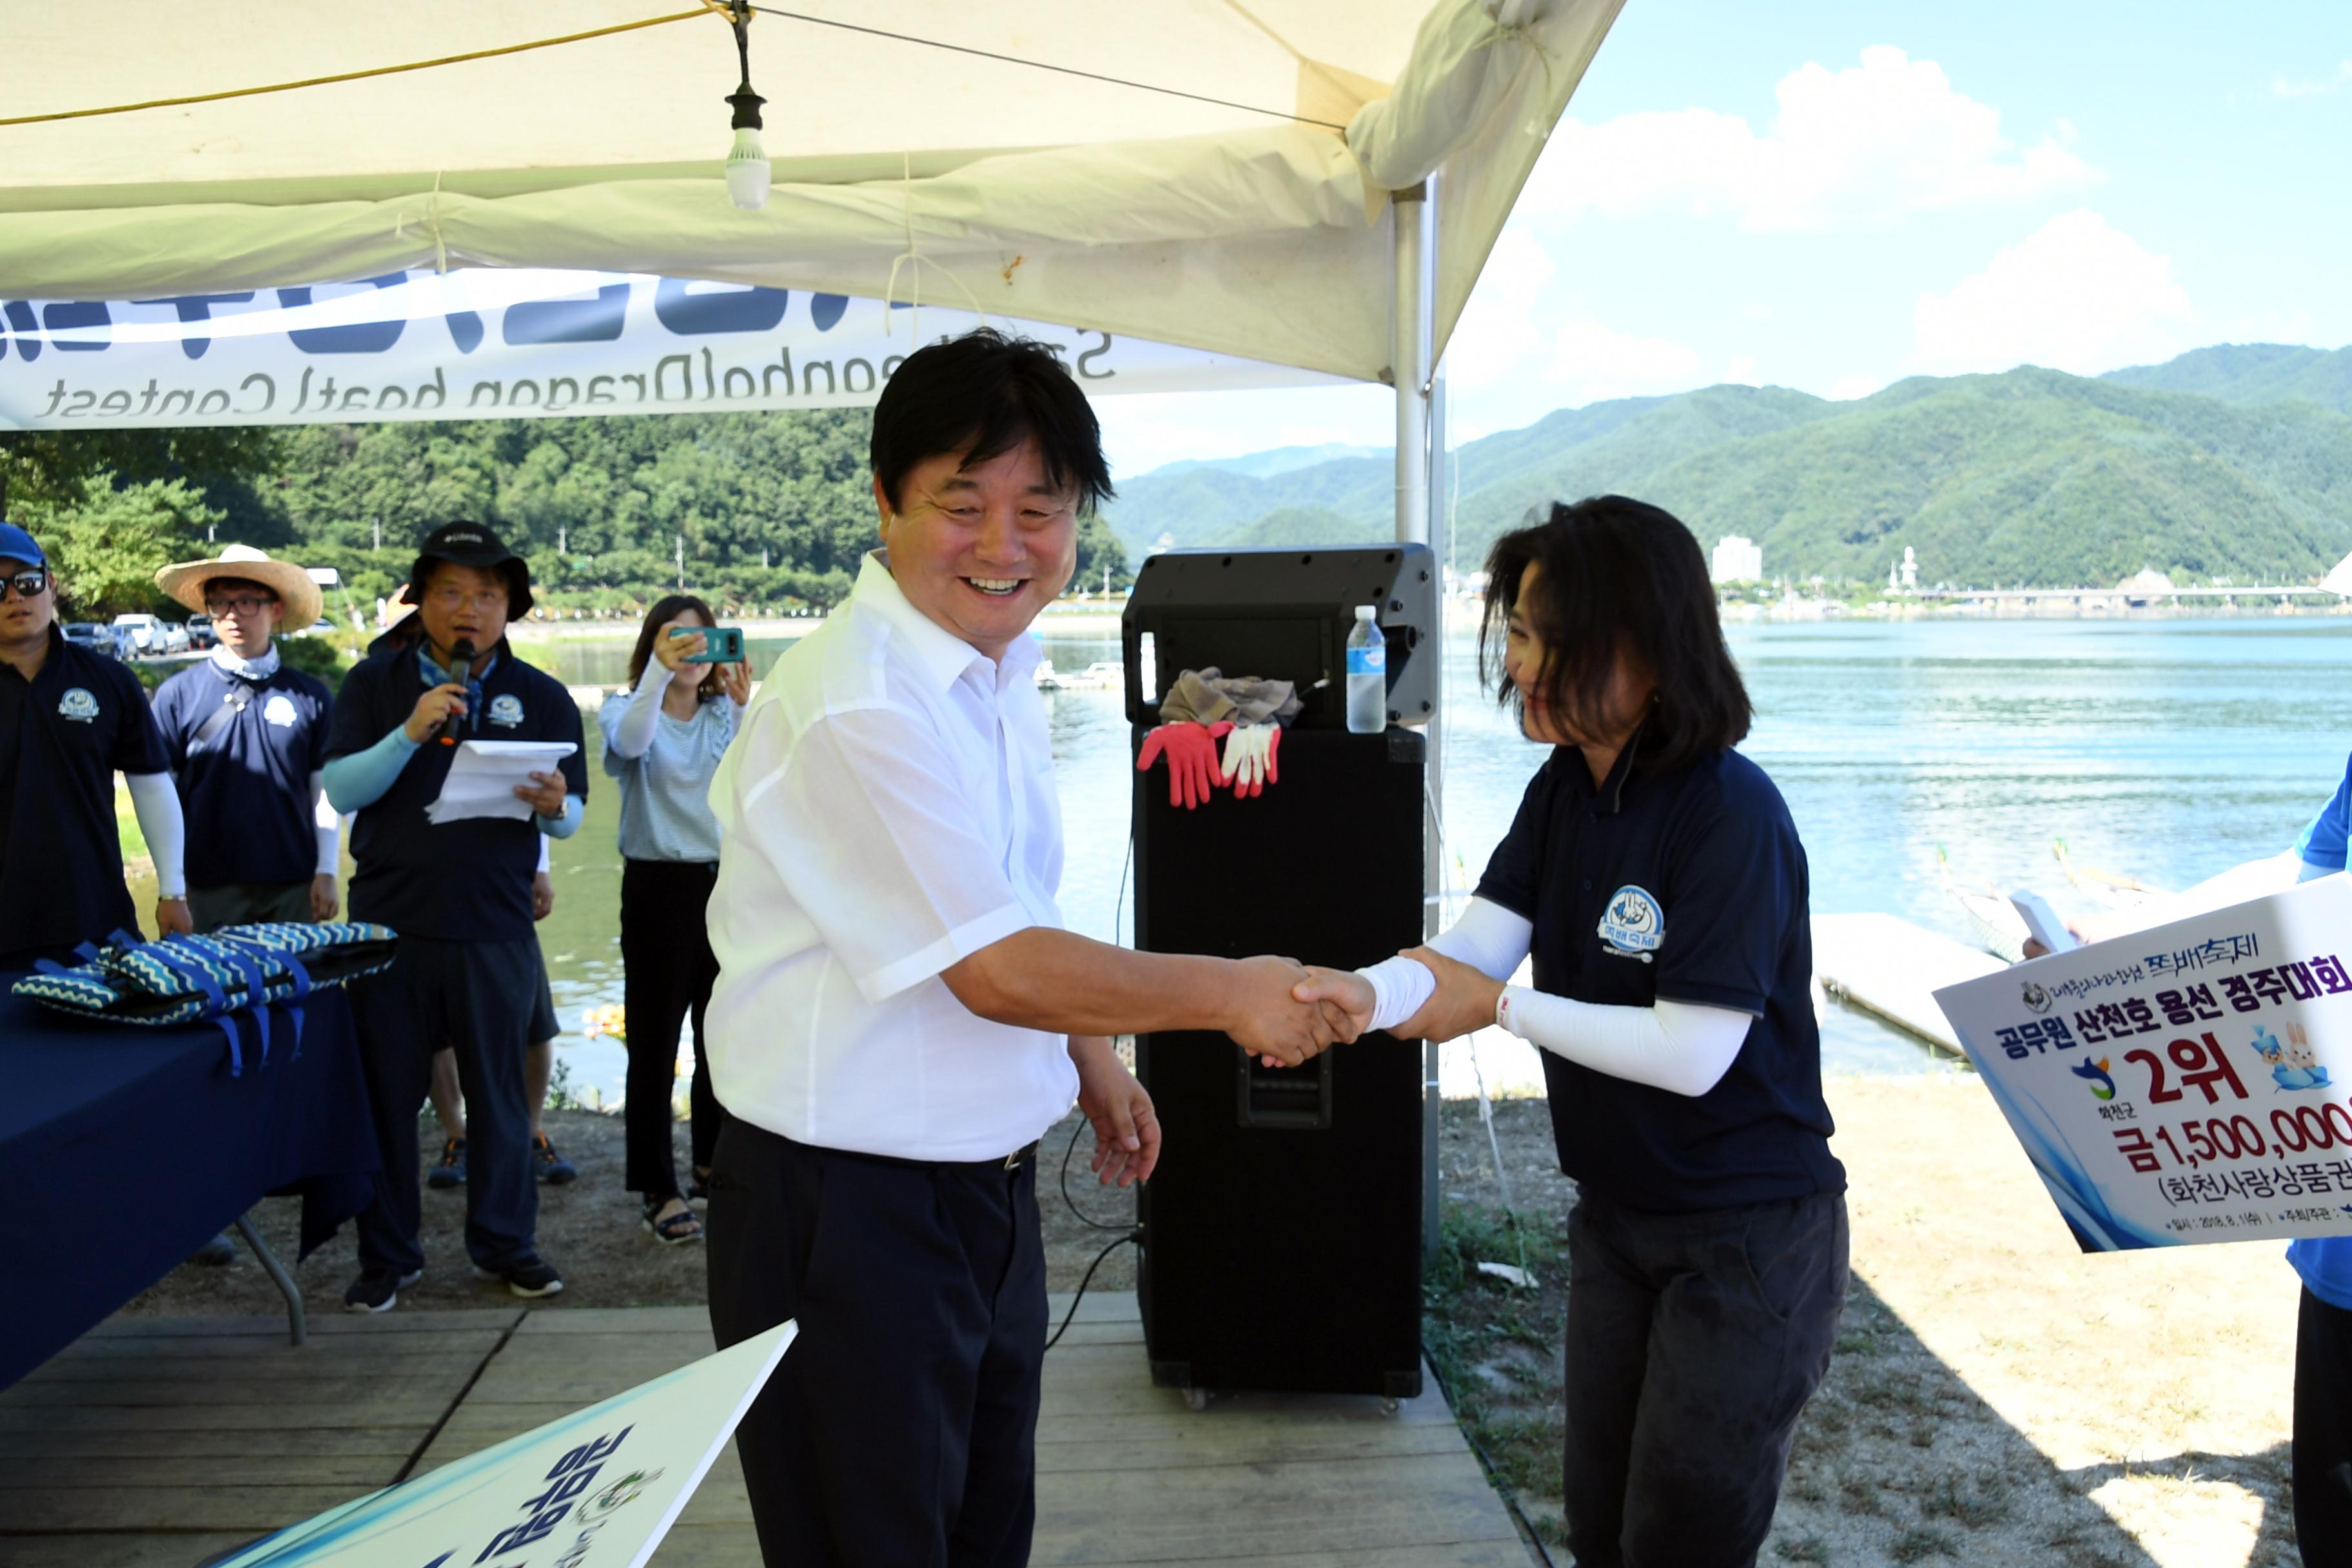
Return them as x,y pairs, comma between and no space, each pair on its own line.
1368,675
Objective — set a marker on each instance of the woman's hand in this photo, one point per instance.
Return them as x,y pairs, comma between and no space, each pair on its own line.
1465,999
735,680
1344,989
671,653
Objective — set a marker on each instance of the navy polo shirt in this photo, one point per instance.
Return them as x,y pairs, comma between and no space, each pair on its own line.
246,787
1688,886
459,881
63,738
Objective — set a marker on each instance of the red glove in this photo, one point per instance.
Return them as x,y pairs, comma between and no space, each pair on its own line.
1192,752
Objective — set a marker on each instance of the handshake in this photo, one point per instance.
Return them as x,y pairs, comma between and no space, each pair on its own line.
1283,1012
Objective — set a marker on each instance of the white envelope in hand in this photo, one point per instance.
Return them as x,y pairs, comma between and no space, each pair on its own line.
484,773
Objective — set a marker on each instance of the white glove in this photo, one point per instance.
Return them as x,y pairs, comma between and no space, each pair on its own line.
1250,762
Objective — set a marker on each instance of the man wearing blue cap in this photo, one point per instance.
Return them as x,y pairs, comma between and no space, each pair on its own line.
69,721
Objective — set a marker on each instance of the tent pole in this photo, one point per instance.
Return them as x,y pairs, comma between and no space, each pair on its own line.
1409,359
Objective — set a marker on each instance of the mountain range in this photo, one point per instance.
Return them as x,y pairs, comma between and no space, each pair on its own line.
2233,461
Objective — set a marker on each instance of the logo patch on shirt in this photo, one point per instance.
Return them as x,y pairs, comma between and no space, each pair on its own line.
280,712
78,705
505,709
1633,924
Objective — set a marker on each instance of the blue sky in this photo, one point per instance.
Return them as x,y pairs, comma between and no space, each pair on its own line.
1832,196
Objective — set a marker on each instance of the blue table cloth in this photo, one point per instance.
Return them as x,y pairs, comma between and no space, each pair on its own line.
123,1150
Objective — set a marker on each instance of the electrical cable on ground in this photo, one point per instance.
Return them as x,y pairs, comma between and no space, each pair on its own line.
1136,1237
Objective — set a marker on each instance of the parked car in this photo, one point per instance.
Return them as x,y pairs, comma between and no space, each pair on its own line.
201,635
321,628
176,637
95,636
143,633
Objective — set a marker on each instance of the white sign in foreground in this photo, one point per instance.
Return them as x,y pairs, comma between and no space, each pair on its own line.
595,1490
482,343
2191,1082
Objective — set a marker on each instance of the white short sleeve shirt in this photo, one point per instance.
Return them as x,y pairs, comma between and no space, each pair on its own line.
886,810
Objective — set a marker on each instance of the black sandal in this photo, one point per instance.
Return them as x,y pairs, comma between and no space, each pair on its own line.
682,1227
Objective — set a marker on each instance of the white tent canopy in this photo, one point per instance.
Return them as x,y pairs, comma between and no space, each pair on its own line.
1054,161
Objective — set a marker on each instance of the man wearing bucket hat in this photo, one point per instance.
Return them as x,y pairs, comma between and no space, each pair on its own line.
246,739
69,721
459,894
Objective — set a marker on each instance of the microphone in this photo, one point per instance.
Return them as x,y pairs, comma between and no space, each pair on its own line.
461,654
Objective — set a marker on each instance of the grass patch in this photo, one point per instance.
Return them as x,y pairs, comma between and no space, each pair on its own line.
1806,1549
1496,1344
1922,1542
126,825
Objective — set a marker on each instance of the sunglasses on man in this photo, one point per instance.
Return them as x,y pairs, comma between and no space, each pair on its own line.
27,583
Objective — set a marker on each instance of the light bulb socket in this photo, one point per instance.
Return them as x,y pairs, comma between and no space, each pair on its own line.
747,108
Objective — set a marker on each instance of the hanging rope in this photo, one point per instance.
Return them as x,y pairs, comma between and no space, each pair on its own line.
707,8
1041,66
915,273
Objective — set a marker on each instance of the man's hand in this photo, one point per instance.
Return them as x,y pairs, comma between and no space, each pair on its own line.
171,918
1127,1129
542,895
1465,999
1267,1021
1342,989
735,680
323,903
431,709
545,796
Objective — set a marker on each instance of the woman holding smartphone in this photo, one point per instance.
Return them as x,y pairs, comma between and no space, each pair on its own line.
1655,877
664,734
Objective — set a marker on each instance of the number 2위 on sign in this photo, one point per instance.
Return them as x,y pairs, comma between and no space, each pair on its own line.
2200,1062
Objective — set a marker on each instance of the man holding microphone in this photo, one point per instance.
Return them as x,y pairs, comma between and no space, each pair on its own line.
459,894
899,1014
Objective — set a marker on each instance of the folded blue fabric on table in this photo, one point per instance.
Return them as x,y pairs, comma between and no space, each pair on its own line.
241,969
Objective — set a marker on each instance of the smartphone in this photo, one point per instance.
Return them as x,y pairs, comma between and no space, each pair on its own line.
720,645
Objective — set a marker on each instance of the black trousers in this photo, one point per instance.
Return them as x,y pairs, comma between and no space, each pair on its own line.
668,971
474,997
1694,1341
2322,1432
900,1430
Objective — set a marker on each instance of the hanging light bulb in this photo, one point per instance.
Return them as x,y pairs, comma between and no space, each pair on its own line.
747,161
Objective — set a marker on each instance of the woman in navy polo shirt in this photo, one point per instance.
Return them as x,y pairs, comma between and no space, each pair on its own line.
1655,877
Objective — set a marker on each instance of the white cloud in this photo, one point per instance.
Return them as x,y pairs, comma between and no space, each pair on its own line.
1846,388
1868,144
2281,87
1494,335
1593,362
1741,371
2075,295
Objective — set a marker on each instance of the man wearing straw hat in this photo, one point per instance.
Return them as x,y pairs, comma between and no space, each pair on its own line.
246,737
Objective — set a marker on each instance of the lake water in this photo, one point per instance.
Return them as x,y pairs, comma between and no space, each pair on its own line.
2169,750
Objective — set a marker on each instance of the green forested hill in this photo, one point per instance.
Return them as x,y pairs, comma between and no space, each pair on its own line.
2251,373
767,509
2030,477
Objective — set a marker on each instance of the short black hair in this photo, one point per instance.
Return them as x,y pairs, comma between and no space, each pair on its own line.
1621,576
982,395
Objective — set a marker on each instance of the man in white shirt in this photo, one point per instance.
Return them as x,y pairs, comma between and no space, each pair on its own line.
899,1014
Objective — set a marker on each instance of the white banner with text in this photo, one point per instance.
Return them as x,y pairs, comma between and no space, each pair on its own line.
484,343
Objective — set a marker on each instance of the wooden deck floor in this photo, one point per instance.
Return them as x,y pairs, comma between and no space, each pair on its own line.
154,1442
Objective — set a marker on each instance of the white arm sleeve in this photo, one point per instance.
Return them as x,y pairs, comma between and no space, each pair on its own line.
1489,938
634,733
326,823
1682,1048
156,803
544,861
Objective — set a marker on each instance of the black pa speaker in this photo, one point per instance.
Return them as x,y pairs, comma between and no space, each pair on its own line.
1282,1230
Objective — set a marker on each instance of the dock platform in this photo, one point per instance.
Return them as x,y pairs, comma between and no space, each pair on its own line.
1886,965
155,1442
